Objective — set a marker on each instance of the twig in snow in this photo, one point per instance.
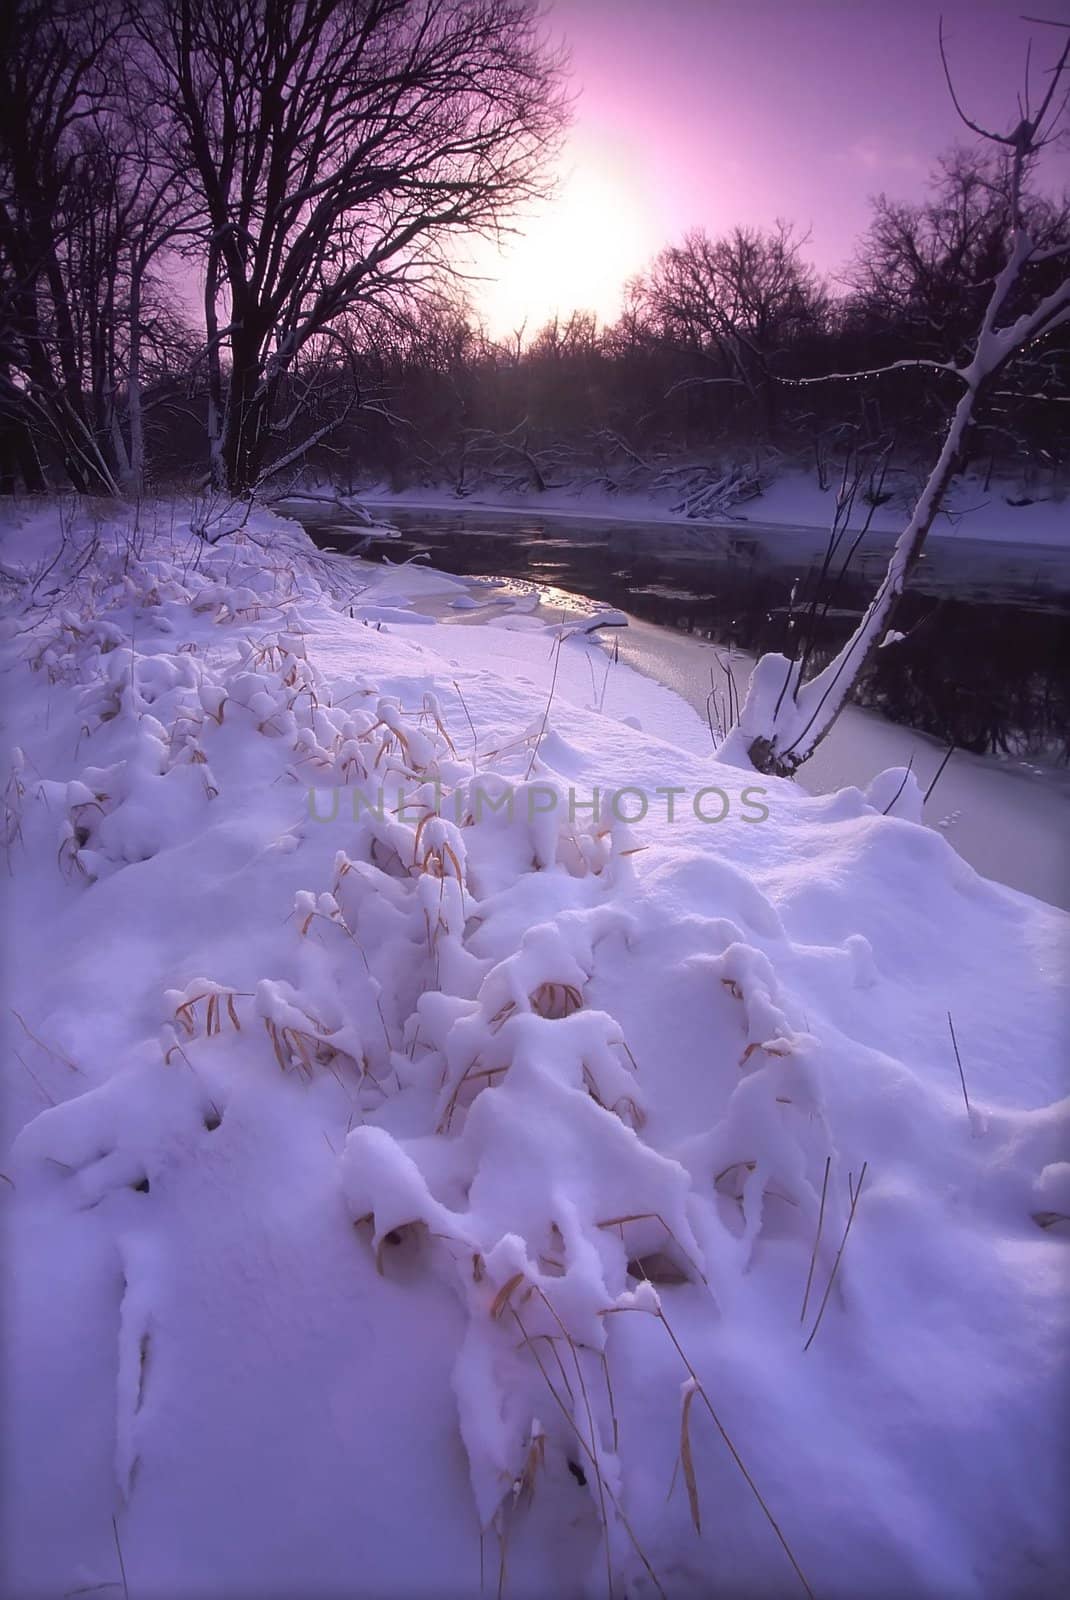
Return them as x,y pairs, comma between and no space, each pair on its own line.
47,1048
839,1254
549,699
471,724
902,786
939,771
19,1057
503,1547
710,701
122,1564
817,1239
609,1393
733,692
611,661
958,1059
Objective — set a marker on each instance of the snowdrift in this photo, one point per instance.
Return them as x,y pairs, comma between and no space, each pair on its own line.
436,1162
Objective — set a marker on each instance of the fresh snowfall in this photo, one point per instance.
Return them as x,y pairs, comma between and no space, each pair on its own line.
465,1135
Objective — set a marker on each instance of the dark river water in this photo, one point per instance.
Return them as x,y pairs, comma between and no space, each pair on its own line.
986,660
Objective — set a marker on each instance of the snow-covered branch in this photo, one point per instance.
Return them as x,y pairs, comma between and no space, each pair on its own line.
784,719
917,363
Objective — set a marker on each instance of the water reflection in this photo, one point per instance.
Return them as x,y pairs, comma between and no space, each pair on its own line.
986,657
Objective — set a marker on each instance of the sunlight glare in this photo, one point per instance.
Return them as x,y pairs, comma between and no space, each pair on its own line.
577,253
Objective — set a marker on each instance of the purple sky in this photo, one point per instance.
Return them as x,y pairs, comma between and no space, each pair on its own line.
712,112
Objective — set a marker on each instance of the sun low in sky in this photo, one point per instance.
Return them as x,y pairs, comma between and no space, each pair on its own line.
577,252
712,113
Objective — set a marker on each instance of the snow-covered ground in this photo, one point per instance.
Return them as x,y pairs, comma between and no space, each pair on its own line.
1009,818
491,1195
793,500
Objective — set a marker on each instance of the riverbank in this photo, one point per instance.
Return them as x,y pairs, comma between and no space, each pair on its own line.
794,500
1005,815
1008,817
390,1122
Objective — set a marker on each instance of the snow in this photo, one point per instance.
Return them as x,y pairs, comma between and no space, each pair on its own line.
793,500
789,722
413,1171
1008,818
973,511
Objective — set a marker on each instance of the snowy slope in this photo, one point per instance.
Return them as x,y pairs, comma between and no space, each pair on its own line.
420,1203
1002,513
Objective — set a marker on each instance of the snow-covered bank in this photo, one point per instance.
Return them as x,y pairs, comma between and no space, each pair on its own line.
1007,818
794,499
339,1146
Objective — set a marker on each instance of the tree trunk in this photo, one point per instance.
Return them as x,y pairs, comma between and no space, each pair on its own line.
135,415
245,422
215,373
817,703
19,459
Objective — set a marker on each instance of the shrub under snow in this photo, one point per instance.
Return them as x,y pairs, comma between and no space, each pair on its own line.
408,1196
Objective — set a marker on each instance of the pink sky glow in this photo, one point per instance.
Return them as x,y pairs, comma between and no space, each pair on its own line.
712,112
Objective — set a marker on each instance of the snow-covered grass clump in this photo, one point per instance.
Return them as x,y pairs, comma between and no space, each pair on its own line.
419,1179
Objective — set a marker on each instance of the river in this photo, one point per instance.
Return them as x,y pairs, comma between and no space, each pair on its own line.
985,664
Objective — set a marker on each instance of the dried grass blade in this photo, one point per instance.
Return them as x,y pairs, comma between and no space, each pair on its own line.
839,1253
686,1458
817,1239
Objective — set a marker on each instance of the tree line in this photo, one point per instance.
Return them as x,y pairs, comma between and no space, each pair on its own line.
732,351
305,162
309,165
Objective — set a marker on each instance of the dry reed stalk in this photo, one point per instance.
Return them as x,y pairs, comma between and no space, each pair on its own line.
593,1433
549,702
572,1423
733,1451
471,724
835,1265
612,1402
524,1488
939,772
468,1076
686,1458
36,1080
186,1012
122,1564
817,1239
47,1048
552,1340
653,1216
340,922
958,1059
555,1000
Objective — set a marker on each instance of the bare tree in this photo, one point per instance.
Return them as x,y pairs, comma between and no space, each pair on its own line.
921,272
335,146
918,287
53,73
737,300
85,212
784,719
